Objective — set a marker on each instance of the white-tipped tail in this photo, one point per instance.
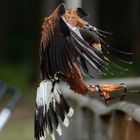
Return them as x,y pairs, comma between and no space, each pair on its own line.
66,121
59,130
50,104
71,112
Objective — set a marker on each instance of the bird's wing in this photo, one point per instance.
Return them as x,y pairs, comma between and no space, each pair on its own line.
64,44
55,55
96,38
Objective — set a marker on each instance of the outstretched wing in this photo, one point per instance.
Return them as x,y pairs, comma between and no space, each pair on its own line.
67,39
96,38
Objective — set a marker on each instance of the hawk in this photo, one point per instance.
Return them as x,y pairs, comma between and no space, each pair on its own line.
69,48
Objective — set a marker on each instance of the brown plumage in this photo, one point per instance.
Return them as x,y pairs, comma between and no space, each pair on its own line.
56,34
69,47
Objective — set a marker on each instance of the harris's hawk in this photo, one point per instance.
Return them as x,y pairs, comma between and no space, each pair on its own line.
69,48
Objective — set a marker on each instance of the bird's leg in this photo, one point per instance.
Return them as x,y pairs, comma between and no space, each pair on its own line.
105,90
56,79
79,86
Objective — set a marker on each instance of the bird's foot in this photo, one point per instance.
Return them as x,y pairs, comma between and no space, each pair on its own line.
110,91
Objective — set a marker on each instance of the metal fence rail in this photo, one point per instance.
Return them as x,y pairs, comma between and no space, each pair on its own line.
131,82
93,120
11,103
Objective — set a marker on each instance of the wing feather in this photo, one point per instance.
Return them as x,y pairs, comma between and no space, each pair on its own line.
66,45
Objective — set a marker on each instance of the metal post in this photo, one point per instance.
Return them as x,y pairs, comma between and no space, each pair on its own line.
73,3
7,110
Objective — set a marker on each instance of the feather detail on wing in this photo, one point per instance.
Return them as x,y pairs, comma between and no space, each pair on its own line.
70,39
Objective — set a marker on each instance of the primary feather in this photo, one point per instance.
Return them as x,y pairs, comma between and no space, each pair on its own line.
67,38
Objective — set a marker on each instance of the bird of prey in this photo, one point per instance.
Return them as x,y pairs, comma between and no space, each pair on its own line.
70,48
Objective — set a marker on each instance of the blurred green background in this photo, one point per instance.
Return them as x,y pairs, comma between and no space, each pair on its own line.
20,27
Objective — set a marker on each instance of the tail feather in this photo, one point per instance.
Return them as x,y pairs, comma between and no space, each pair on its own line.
59,130
66,121
50,106
53,116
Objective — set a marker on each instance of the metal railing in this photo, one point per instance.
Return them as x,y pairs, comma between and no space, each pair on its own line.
93,120
6,111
